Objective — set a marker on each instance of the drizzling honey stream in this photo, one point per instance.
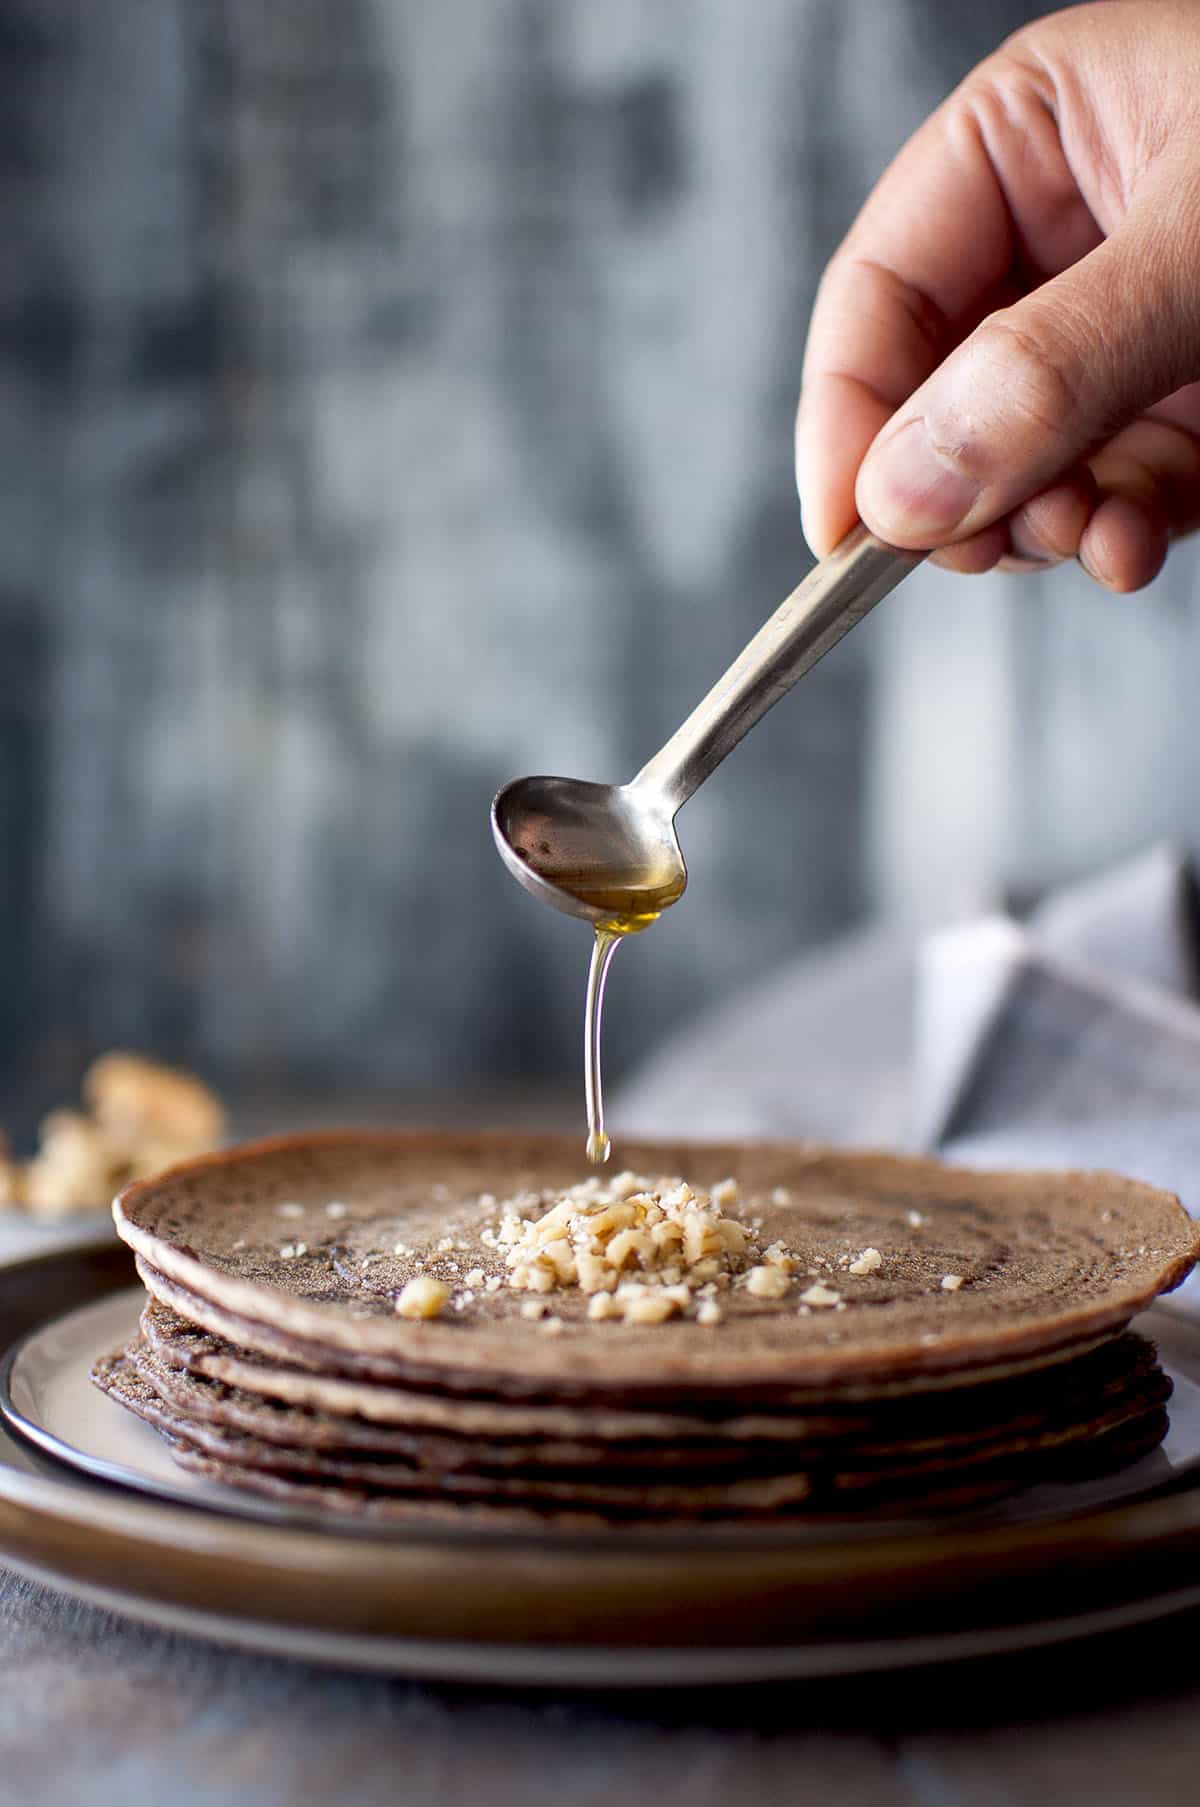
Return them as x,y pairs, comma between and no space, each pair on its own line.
634,909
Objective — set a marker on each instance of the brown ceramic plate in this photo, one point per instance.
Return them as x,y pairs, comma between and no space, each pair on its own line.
587,1611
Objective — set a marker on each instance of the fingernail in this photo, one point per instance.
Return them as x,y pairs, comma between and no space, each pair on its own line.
1088,563
908,488
1028,550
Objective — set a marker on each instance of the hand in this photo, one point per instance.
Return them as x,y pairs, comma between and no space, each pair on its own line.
1004,354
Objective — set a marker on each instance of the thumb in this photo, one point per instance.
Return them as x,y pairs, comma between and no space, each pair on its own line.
1038,386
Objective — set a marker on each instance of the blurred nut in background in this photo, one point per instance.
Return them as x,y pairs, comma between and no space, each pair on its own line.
141,1116
141,1102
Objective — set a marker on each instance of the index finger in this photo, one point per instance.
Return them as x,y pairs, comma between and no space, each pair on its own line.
982,188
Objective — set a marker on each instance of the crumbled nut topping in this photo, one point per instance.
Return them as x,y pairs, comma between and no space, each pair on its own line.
423,1297
640,1251
646,1246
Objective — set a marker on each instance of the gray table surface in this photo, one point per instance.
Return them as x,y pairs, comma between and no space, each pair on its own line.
96,1710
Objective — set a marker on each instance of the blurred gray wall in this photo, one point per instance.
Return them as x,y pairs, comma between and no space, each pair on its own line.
396,397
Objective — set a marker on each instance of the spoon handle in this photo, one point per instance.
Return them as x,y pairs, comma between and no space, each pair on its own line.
837,593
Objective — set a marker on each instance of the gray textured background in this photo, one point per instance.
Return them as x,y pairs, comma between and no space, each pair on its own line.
395,397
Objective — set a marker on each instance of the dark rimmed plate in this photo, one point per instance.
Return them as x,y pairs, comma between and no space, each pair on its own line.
621,1610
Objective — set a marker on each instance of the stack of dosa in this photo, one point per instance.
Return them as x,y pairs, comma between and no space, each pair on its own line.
271,1357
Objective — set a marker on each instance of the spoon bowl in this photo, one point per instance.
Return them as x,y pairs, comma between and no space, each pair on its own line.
607,853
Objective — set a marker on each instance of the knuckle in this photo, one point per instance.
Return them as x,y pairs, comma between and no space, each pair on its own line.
1034,371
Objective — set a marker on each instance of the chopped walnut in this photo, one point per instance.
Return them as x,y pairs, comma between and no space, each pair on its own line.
422,1297
767,1282
820,1296
652,1309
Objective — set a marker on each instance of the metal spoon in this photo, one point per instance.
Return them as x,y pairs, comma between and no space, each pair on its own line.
609,852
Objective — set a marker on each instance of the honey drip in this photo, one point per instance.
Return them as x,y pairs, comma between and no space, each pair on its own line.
609,935
603,949
630,901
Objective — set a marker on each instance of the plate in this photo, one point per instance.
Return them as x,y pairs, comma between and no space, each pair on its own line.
108,1519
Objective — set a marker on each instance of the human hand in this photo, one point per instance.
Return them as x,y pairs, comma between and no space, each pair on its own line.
1004,354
